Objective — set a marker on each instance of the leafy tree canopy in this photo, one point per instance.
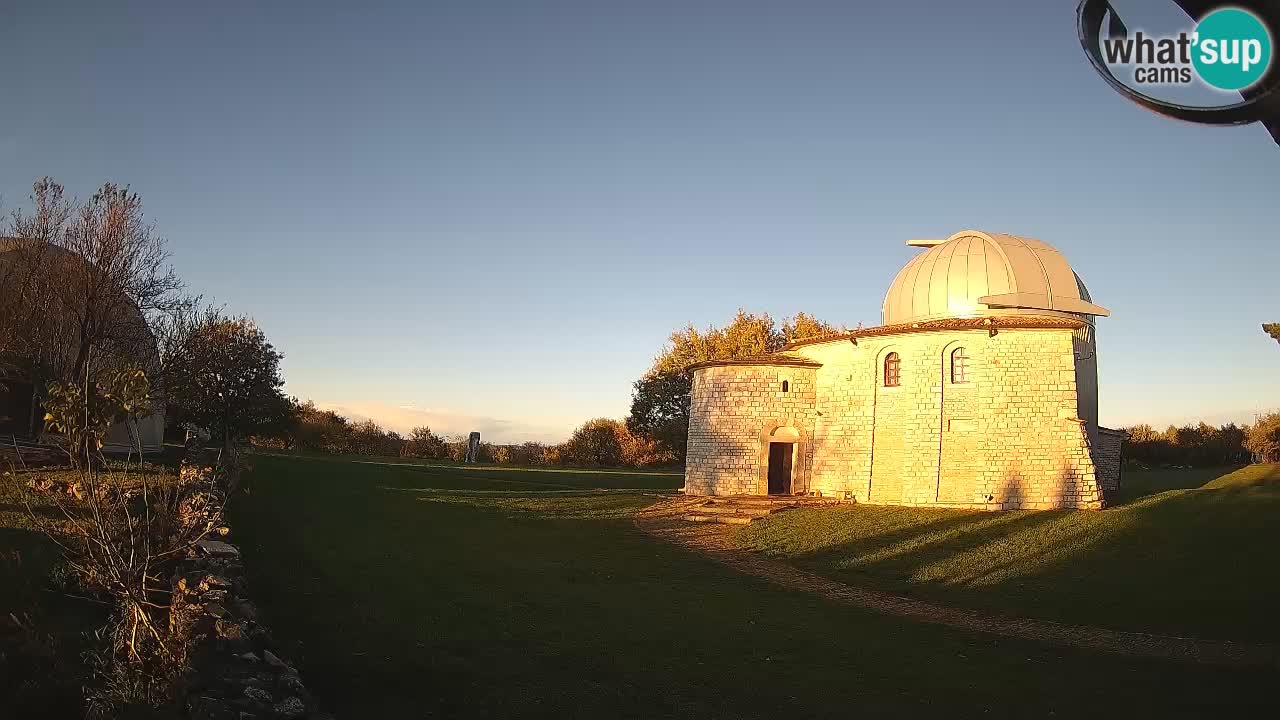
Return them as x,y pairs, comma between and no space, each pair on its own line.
225,376
603,442
1263,438
660,398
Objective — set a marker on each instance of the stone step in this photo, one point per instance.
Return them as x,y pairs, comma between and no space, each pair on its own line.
732,509
726,519
753,501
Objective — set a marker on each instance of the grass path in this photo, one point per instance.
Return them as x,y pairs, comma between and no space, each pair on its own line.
716,542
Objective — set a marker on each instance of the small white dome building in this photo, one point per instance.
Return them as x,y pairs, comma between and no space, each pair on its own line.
979,390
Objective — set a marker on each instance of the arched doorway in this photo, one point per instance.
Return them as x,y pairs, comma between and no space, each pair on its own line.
780,454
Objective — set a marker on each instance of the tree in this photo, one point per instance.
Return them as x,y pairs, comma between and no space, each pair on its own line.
594,444
1200,445
311,428
804,325
1272,329
660,409
424,443
530,453
368,438
1263,438
226,377
1232,437
604,442
501,454
660,398
86,281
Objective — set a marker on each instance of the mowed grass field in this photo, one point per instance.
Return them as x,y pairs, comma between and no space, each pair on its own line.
415,591
1187,552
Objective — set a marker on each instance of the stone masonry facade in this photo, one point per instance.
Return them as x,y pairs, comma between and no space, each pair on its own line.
733,407
1017,428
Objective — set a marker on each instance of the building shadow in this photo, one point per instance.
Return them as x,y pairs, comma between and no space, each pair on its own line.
1138,483
43,511
1184,561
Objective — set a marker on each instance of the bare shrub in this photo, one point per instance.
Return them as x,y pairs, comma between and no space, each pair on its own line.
122,532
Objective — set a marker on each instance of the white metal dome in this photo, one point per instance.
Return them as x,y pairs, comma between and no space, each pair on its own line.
974,273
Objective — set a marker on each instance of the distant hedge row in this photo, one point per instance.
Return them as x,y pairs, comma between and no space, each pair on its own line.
601,442
1204,445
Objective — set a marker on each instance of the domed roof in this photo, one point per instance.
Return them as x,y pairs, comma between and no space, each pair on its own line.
973,273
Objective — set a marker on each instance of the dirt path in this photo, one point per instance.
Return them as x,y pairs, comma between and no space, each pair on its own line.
714,540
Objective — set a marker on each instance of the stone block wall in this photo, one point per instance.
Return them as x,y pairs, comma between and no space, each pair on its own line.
1010,436
1109,459
731,407
1015,435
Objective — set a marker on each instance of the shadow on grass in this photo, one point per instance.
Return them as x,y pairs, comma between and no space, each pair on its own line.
42,631
44,511
1177,561
398,604
583,506
1138,483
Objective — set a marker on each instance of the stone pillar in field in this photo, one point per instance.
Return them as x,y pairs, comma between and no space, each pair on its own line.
473,448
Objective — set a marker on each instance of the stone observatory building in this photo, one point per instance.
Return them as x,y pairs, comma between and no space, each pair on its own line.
979,390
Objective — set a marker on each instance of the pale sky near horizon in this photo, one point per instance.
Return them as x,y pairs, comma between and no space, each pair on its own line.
490,215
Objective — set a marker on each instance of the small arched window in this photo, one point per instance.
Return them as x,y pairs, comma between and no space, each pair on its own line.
959,366
786,386
892,371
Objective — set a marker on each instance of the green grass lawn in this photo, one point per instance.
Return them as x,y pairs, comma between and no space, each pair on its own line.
41,670
399,601
407,472
1189,552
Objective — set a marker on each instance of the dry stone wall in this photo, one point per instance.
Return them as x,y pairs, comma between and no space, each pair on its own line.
234,670
1013,435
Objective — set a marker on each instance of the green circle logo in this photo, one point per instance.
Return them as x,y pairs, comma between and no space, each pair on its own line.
1232,49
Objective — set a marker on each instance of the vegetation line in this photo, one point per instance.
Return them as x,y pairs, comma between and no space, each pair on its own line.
585,492
502,468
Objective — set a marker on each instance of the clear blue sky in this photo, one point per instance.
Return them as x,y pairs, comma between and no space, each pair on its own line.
495,212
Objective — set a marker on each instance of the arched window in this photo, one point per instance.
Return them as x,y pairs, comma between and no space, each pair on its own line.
786,386
959,366
891,370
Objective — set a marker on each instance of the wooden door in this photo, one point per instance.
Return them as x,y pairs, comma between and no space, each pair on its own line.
780,468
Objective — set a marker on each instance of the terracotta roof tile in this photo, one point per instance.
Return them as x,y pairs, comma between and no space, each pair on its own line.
973,323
